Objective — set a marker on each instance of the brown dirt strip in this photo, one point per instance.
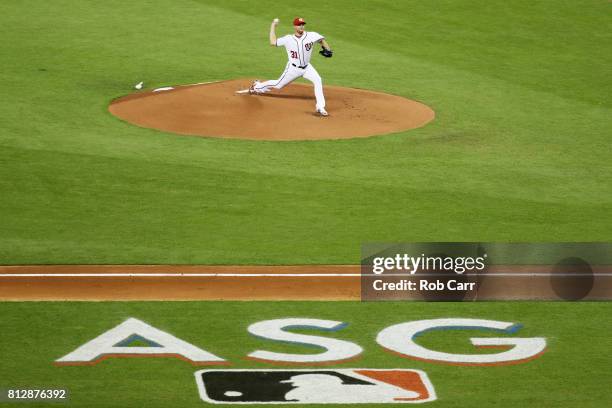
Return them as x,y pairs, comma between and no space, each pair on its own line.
205,282
182,285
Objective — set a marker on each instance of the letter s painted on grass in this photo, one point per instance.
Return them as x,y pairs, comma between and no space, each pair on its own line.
335,350
400,339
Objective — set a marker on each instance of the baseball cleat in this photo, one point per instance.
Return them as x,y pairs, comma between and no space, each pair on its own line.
322,112
252,87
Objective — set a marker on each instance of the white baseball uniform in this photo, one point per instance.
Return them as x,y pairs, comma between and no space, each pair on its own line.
299,52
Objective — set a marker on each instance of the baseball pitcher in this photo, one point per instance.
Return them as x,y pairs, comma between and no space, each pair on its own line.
299,46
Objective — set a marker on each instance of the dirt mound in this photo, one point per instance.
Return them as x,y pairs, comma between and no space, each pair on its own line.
214,109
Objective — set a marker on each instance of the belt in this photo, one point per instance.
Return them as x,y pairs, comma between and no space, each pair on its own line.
297,66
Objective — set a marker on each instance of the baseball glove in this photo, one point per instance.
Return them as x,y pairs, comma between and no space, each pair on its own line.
326,53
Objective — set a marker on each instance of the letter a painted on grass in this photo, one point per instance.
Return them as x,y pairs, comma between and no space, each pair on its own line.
115,343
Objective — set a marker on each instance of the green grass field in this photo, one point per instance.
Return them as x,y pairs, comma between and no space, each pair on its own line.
574,371
519,150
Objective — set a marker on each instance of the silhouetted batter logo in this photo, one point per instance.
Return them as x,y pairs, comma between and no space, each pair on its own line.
343,386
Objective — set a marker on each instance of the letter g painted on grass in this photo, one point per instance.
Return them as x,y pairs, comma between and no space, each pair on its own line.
400,339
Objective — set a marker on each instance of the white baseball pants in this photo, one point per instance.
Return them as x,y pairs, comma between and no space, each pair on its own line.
290,74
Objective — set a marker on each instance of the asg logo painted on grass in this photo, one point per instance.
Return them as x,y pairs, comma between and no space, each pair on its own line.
312,386
342,386
399,339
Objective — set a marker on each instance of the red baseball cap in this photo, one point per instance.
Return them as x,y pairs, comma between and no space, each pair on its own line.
298,21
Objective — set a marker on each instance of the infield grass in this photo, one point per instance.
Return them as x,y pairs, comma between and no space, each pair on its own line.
519,151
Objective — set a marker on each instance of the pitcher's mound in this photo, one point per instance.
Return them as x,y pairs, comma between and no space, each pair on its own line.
214,109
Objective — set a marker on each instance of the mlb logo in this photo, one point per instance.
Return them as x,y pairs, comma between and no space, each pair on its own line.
342,386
